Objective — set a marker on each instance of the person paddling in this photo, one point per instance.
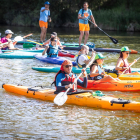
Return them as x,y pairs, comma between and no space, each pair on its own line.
122,63
48,42
10,44
82,59
51,49
97,72
64,78
83,16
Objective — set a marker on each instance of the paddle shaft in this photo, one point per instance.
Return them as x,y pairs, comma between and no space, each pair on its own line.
78,77
130,65
113,40
27,35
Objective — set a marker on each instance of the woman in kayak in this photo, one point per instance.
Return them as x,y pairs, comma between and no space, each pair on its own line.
6,39
64,78
97,72
51,49
122,63
82,59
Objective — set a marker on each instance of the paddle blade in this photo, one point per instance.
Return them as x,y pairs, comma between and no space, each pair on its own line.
60,98
115,41
28,45
18,38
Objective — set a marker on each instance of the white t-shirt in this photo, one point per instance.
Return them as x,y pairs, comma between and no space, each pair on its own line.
81,59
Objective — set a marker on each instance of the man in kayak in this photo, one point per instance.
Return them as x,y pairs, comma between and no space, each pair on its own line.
82,59
64,78
6,39
51,49
43,21
83,16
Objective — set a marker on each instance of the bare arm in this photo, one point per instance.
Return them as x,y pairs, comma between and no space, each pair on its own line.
119,66
91,58
93,71
93,20
45,50
80,17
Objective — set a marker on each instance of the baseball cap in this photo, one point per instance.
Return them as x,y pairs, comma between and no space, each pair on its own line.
124,49
47,3
8,32
99,56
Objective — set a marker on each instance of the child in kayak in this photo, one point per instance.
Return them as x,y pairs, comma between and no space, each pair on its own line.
51,49
64,78
54,34
82,59
6,39
122,63
97,72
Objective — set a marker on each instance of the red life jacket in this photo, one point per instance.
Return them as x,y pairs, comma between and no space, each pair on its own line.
66,81
126,65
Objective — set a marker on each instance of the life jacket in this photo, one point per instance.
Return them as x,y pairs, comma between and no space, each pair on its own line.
100,70
52,51
80,66
125,65
66,81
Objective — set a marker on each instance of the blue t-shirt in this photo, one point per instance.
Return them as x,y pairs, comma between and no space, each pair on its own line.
44,15
87,13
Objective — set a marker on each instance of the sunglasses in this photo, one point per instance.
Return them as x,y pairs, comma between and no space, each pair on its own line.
67,66
127,53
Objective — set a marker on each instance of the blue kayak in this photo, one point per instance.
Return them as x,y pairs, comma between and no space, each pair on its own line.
52,60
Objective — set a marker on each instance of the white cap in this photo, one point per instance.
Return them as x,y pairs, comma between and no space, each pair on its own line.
8,32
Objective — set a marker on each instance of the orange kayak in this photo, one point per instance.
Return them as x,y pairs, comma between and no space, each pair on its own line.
122,85
84,99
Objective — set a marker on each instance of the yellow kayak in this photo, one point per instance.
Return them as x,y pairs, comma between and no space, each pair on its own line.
130,76
83,99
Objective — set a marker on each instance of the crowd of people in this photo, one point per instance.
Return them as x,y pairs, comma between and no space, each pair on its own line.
65,77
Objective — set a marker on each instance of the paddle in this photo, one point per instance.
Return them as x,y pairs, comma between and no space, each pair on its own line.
62,97
115,41
130,65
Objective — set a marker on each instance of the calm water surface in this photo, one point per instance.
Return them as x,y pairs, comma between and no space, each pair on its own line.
27,118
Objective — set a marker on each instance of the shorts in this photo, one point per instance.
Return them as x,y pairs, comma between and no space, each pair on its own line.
84,27
43,24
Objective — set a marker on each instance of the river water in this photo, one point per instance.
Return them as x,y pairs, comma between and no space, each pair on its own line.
28,118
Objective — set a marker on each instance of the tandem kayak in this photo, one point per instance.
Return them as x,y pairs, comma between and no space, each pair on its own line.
60,53
52,60
99,49
87,99
111,85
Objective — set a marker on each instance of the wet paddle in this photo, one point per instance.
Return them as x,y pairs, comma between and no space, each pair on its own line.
115,41
130,65
62,97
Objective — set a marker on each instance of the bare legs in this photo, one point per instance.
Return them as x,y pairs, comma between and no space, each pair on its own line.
43,34
81,37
